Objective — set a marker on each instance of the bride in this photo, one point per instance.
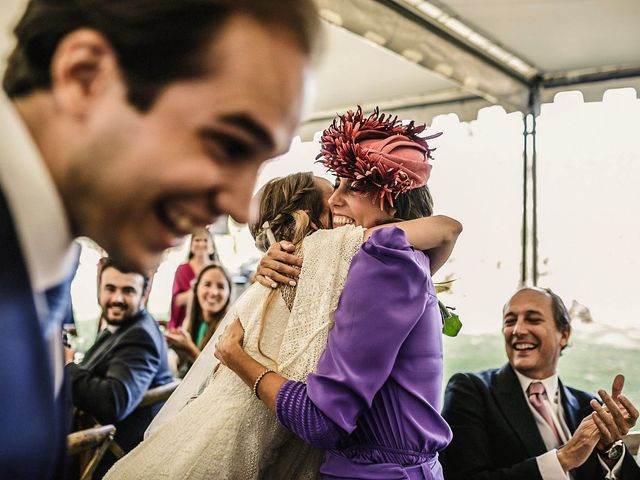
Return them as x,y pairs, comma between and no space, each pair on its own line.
225,432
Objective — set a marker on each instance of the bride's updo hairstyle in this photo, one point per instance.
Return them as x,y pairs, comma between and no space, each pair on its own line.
290,206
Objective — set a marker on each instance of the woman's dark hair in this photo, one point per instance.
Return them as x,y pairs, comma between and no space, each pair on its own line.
197,317
416,203
157,42
292,205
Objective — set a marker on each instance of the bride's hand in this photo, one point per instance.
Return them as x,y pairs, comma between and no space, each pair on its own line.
229,344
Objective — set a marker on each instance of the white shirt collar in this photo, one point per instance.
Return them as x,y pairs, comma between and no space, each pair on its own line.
35,204
112,328
550,384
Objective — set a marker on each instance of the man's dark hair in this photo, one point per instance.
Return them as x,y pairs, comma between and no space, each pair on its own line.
111,263
560,312
157,42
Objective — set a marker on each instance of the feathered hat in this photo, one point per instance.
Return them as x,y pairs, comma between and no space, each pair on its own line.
380,155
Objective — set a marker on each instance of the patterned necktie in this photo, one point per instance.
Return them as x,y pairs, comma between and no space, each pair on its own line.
536,399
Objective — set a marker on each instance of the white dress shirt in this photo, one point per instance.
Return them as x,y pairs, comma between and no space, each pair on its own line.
39,218
548,463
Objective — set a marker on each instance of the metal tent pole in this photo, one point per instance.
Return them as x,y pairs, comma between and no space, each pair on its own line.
529,271
525,175
534,202
534,105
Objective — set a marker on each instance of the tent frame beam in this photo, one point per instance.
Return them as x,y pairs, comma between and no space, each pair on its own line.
589,75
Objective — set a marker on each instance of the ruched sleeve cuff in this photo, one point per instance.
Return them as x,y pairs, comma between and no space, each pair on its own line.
299,414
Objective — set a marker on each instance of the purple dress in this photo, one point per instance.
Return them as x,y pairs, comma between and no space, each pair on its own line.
374,402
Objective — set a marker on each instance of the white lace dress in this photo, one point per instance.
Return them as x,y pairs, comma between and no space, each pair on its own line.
227,433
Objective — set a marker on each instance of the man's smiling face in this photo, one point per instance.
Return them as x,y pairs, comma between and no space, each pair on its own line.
120,295
532,339
140,181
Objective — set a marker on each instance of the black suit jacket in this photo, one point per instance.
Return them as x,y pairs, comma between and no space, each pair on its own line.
495,436
114,376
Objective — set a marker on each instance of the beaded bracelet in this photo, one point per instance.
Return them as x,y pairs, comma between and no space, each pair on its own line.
257,382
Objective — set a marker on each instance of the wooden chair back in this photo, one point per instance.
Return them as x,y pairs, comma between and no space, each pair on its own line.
90,445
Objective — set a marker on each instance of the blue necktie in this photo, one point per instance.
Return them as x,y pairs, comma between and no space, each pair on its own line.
59,302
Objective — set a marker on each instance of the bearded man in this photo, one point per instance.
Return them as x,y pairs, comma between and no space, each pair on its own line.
128,358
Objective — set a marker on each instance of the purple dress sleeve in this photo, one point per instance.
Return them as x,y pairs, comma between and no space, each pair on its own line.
299,415
382,300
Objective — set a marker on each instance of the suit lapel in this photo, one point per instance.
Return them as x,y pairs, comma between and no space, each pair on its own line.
510,400
570,406
98,349
103,345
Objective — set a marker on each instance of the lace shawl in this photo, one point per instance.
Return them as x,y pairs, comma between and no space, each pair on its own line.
227,433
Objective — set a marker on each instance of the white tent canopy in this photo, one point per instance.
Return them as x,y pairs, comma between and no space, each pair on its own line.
457,56
419,59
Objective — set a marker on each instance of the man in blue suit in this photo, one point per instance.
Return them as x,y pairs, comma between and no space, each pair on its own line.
520,422
128,358
130,123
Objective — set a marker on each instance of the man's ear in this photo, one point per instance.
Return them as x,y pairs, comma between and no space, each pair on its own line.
83,68
566,334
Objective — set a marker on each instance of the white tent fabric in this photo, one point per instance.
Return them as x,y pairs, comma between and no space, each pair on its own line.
461,55
413,56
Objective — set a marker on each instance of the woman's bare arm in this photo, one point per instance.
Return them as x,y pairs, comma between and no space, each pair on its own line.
436,235
183,298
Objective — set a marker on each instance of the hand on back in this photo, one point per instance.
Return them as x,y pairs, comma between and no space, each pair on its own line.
279,266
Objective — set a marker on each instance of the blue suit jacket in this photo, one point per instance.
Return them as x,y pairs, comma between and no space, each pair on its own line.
495,436
33,423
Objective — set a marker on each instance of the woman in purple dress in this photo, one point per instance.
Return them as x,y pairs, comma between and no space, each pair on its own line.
374,402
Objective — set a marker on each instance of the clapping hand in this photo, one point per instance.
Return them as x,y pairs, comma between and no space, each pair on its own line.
178,339
580,446
616,417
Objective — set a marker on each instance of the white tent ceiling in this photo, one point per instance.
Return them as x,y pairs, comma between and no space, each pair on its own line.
426,58
456,56
559,35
